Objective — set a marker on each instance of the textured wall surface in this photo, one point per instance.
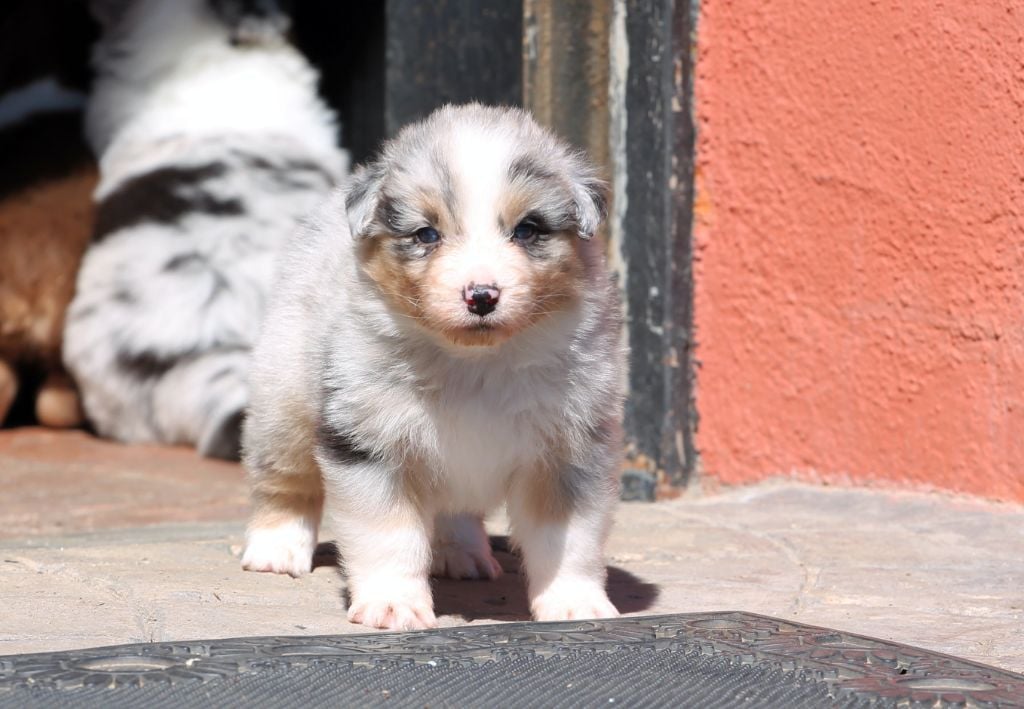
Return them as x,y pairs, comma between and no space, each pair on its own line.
860,242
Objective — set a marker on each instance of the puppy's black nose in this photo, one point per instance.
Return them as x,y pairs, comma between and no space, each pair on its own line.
481,300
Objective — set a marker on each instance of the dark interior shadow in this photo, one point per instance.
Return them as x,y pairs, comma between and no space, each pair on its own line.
325,554
504,599
48,147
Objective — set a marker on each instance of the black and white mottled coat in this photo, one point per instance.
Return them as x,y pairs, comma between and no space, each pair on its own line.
388,402
213,144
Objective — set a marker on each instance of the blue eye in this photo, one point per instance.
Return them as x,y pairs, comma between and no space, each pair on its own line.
525,232
428,235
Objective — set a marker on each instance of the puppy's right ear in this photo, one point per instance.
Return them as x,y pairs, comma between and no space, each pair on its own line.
363,198
591,196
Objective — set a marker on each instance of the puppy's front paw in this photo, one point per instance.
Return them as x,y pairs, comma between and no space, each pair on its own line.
455,562
284,549
572,601
409,611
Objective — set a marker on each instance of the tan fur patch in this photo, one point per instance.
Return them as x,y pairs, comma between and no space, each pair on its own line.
546,494
426,284
278,499
290,484
44,229
557,282
396,280
513,208
418,484
544,488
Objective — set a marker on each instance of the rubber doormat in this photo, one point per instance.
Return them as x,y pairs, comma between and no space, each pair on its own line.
699,660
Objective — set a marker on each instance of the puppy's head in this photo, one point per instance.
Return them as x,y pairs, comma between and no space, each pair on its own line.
475,222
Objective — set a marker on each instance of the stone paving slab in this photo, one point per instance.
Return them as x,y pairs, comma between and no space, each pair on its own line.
940,572
63,482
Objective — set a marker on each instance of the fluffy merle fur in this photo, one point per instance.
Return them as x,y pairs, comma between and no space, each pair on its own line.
404,433
212,145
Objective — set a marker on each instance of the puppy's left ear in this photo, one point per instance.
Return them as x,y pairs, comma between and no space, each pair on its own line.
363,197
591,197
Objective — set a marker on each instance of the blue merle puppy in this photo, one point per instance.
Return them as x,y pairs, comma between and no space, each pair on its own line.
212,145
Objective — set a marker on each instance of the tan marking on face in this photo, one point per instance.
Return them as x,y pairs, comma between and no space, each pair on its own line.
558,280
428,288
514,207
398,279
403,280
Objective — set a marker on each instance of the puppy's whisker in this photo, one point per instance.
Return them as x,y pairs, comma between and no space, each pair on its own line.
413,301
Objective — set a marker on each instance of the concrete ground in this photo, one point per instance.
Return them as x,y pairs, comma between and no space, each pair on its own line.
103,544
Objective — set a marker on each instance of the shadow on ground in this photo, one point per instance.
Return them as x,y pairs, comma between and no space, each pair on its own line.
505,598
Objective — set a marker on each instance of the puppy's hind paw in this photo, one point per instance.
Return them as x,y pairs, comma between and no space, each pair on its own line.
461,549
285,549
455,562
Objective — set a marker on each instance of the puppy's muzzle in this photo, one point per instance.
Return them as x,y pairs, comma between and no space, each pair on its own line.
481,300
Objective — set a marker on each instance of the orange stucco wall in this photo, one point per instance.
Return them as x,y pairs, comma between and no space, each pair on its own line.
859,240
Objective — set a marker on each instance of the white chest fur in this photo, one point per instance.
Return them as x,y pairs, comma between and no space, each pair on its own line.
467,423
490,423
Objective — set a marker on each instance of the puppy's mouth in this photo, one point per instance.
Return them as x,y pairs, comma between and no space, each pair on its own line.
483,332
485,327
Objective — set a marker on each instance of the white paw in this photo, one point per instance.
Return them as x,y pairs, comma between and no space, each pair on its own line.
454,562
572,600
412,609
285,549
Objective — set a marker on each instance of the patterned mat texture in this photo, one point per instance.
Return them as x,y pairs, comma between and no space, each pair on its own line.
698,660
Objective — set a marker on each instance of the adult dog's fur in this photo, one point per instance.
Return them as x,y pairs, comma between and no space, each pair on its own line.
45,208
45,188
212,145
443,339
